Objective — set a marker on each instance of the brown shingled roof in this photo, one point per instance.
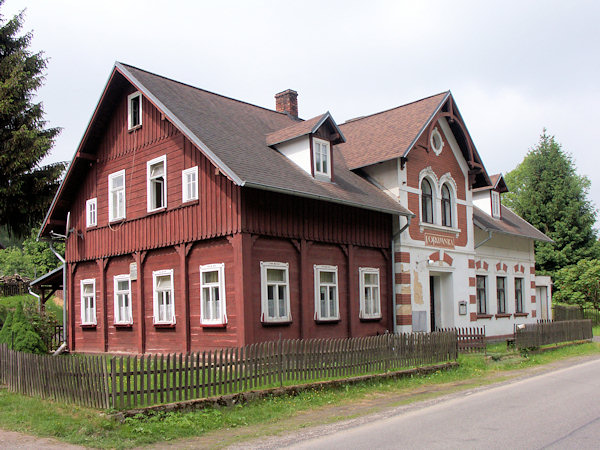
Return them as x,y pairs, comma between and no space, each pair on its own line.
388,134
510,223
302,129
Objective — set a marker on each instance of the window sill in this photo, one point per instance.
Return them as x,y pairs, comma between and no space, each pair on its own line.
370,319
88,326
137,127
193,201
123,325
116,221
164,325
484,316
156,211
503,316
327,321
275,324
523,314
213,325
436,227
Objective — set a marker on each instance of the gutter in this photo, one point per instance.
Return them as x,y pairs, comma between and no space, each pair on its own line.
64,266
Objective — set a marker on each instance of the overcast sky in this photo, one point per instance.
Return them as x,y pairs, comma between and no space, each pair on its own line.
514,67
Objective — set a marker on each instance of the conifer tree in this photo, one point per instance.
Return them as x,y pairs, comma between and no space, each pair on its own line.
546,190
26,187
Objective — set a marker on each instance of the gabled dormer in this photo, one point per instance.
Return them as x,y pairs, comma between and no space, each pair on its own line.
309,144
489,198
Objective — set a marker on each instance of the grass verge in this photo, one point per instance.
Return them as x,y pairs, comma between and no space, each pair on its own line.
94,429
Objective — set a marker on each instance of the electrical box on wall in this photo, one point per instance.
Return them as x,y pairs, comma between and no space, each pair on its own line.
462,308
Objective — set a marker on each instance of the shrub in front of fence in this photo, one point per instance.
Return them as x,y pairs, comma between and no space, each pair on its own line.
133,381
535,335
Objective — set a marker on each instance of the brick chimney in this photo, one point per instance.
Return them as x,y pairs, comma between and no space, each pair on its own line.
287,102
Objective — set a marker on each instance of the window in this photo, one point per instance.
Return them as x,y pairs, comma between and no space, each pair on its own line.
446,206
481,295
212,292
91,206
164,308
88,302
189,184
495,204
426,201
275,296
501,294
322,157
369,293
116,196
437,144
134,110
157,183
123,313
519,295
326,293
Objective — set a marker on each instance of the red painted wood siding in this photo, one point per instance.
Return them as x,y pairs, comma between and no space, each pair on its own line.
274,214
215,214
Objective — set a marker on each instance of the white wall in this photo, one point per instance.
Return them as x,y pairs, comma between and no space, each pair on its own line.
483,200
298,151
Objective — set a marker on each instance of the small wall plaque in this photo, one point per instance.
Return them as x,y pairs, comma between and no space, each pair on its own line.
462,308
133,271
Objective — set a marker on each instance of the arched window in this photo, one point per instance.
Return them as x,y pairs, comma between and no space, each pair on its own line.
446,206
426,202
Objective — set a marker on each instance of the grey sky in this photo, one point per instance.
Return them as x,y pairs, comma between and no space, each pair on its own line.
513,67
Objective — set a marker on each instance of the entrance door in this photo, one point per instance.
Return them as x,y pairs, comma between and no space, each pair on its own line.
432,298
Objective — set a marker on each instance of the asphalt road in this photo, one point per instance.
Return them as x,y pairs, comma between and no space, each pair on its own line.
557,410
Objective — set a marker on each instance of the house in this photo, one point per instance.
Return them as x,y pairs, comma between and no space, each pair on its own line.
193,221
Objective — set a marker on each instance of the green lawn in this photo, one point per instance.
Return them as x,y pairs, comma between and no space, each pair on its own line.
92,428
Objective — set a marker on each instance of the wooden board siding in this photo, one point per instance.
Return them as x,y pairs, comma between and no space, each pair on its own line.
280,215
216,213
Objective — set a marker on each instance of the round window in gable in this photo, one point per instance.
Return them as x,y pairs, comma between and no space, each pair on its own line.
436,141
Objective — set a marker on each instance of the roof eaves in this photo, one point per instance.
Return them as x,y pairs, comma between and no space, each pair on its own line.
402,212
180,125
426,124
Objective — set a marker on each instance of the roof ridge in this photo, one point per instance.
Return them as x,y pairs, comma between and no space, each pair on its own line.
204,90
391,109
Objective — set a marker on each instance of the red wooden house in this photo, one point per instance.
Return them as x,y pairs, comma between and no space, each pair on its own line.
199,221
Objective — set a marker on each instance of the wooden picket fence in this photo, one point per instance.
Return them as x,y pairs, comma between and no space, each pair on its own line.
78,379
537,334
470,339
134,381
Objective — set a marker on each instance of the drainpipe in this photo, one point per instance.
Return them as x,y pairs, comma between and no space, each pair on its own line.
485,240
398,234
64,271
36,296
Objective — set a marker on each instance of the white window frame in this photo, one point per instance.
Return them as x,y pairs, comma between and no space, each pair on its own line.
130,99
128,319
149,183
287,317
88,319
317,281
155,275
185,183
496,212
374,300
221,319
436,135
111,191
322,143
91,212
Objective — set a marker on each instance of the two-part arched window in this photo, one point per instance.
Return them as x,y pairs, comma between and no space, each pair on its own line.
429,207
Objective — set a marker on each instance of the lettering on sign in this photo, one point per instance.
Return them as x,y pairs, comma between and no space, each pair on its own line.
439,240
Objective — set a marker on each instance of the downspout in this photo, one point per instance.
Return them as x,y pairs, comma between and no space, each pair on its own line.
397,234
485,240
36,296
64,271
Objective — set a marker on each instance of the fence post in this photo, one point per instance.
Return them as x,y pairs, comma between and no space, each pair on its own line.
280,350
113,377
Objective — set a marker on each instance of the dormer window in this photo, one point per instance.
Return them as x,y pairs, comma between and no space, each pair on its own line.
322,157
496,204
134,110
